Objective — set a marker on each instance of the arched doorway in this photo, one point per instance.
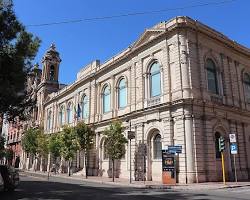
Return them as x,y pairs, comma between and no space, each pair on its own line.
154,155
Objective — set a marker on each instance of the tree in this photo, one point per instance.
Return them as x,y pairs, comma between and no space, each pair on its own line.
115,143
85,138
17,50
69,145
43,146
55,146
29,141
9,154
30,144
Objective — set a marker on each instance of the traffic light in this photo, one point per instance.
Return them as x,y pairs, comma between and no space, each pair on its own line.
221,144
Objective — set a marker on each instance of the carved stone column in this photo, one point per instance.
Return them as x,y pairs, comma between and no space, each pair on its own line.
188,122
184,65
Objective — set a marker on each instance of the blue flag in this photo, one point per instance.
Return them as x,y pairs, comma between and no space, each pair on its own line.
78,111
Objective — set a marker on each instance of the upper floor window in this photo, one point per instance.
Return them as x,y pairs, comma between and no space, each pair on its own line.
212,82
85,106
70,113
246,81
52,73
157,147
155,80
49,120
122,93
62,115
106,99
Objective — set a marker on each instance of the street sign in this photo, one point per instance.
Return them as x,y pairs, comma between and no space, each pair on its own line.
232,137
234,148
175,149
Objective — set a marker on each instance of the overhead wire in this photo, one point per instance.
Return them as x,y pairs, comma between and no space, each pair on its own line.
129,14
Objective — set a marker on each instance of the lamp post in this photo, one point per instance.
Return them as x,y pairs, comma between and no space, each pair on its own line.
131,135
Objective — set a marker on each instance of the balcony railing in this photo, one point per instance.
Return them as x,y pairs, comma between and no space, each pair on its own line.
154,101
217,99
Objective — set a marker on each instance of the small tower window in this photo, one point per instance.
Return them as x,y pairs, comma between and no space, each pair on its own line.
52,73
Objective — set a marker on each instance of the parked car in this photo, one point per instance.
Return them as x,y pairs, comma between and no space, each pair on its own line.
10,177
1,183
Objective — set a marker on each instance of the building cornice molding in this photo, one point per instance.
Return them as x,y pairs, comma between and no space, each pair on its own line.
163,29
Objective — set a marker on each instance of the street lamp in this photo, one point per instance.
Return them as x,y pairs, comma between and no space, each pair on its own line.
131,135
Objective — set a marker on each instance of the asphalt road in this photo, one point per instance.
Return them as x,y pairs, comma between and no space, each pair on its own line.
57,189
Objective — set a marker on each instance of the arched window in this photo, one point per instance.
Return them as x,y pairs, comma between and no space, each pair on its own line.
61,115
212,82
49,120
106,99
155,80
157,148
52,73
246,81
70,113
217,151
122,93
85,107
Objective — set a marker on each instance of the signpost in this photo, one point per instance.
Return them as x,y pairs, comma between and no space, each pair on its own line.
169,163
232,137
131,135
234,151
174,149
168,167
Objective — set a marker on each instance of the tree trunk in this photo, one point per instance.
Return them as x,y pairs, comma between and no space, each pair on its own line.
86,163
113,170
69,165
41,164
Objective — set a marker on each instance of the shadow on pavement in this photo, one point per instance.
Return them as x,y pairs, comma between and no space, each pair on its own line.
55,190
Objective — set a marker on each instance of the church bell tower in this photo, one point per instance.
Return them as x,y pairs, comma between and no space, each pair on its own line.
49,80
50,72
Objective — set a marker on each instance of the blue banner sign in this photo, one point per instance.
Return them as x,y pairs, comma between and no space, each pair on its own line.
175,149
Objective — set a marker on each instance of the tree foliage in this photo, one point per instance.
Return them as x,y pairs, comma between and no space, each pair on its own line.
69,143
55,145
115,141
17,50
9,154
30,140
42,144
84,135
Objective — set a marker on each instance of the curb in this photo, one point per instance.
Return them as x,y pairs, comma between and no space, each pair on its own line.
134,185
45,175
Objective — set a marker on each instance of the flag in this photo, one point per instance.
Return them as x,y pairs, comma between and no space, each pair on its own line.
78,111
75,113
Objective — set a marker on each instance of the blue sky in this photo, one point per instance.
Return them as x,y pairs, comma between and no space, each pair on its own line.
80,43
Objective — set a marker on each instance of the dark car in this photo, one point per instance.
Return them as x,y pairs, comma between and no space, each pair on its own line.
10,177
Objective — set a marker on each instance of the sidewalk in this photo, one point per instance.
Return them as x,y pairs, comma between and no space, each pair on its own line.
140,184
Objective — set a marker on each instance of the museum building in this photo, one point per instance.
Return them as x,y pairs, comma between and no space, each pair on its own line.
181,83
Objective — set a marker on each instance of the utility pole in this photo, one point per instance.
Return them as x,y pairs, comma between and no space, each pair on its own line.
131,135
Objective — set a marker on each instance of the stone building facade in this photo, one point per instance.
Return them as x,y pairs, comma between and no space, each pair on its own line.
181,83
